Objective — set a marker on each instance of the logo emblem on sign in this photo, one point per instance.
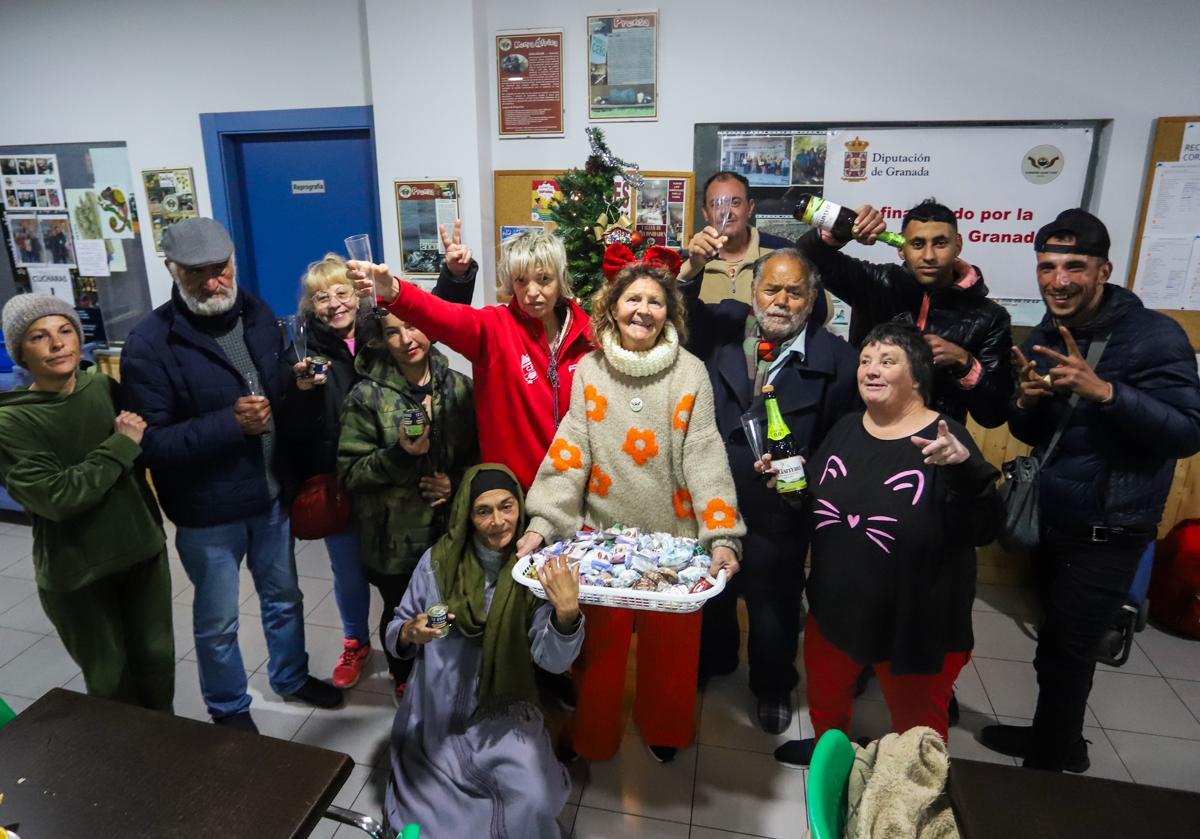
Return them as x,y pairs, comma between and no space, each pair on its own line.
1042,164
404,191
855,166
505,44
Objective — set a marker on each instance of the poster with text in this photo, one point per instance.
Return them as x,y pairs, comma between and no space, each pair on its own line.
1003,183
661,203
421,208
170,195
623,66
544,195
529,84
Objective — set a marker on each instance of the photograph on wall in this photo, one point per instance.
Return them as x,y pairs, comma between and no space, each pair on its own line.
763,159
171,198
33,180
421,208
623,66
507,231
26,240
808,159
57,245
529,84
544,194
784,226
661,205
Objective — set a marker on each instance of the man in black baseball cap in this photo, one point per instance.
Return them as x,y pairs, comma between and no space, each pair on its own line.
1118,382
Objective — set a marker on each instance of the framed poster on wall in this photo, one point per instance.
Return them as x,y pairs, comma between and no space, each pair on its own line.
422,207
623,66
529,84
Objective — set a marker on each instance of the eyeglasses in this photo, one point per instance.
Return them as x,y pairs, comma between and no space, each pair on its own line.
342,294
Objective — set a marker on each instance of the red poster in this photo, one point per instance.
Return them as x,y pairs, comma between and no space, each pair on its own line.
529,80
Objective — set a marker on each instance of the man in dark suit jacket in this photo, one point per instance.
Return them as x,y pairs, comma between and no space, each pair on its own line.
777,340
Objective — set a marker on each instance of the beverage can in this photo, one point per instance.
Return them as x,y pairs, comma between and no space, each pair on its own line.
439,618
413,422
319,366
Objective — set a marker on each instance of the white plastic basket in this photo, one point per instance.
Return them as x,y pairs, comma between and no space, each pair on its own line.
626,598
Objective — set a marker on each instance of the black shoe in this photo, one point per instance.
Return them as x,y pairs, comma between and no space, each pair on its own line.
796,753
1016,740
663,754
775,713
565,753
952,711
240,721
318,694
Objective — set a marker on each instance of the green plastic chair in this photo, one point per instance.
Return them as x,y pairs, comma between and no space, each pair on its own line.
6,713
828,774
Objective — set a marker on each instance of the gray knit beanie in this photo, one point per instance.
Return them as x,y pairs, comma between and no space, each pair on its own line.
23,309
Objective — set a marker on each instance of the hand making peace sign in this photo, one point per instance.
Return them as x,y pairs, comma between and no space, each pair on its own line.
1073,373
458,256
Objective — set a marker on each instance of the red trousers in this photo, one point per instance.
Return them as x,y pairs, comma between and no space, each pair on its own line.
668,658
912,699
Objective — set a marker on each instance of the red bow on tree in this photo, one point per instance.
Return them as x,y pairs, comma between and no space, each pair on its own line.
618,255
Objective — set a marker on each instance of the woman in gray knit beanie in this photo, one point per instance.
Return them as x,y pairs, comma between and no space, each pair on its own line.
23,310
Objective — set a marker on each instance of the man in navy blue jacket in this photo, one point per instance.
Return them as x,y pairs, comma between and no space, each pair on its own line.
778,341
203,370
1125,421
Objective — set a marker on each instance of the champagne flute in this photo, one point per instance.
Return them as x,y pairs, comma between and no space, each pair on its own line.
722,209
358,247
253,385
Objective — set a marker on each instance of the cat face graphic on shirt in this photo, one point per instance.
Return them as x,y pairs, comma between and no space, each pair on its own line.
875,528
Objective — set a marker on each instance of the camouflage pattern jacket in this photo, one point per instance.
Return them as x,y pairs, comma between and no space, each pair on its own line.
396,524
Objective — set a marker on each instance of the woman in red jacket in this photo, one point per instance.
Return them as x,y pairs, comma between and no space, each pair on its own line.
523,354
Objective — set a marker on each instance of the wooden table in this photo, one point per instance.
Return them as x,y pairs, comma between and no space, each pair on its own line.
77,767
992,801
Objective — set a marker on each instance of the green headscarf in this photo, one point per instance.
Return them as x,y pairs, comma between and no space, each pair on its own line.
506,681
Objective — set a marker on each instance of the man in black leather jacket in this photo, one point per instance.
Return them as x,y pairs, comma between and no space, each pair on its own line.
944,296
1104,487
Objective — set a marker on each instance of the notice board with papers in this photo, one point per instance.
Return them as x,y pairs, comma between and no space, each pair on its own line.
1166,262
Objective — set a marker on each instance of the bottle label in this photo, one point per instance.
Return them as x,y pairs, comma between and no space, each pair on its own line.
791,474
826,215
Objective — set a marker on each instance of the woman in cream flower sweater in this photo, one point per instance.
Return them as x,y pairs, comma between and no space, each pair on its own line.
639,446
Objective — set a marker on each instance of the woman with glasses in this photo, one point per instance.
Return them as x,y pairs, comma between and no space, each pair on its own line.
311,422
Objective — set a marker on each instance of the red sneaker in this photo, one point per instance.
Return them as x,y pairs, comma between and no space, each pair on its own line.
350,665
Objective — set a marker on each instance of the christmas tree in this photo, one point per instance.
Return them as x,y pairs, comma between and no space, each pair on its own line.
590,215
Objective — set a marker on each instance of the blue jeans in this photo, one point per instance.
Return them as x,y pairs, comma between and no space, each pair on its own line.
211,556
350,588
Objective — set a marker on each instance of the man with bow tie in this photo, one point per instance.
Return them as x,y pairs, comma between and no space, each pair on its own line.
777,340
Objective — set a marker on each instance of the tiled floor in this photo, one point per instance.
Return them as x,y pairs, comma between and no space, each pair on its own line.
1143,720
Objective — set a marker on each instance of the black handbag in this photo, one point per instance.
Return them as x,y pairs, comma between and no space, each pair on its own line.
1022,530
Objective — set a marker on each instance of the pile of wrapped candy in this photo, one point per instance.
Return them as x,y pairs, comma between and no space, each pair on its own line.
621,557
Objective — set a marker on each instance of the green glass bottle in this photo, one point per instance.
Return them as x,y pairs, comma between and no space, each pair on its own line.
836,219
785,456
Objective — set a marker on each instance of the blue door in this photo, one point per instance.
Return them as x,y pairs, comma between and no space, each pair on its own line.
294,184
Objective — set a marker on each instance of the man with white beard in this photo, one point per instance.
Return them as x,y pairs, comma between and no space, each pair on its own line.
775,341
204,371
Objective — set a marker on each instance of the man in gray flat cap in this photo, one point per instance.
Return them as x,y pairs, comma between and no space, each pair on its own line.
204,371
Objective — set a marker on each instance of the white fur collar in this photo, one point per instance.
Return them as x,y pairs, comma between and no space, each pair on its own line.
642,364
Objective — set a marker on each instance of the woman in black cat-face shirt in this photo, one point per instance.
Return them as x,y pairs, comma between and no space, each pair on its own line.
900,498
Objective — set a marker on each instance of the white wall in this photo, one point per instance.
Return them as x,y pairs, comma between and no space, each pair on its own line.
780,60
142,72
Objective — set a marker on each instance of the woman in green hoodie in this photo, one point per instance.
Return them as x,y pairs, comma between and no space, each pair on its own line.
408,434
99,553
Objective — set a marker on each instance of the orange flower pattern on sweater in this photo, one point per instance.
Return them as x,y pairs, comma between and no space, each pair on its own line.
683,411
719,515
641,445
597,405
599,482
565,456
683,504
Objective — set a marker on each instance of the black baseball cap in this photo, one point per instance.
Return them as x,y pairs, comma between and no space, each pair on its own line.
1090,234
